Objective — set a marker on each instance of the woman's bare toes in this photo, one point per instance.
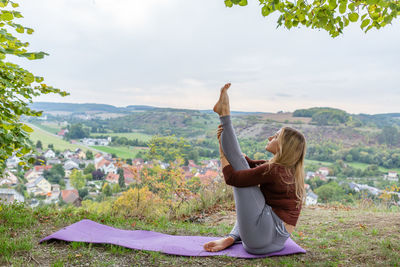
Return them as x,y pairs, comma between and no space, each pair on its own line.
222,106
220,244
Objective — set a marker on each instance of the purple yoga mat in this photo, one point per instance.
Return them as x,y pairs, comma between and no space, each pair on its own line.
92,232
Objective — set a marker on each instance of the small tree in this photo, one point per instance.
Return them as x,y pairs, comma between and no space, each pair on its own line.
121,178
97,175
89,168
18,86
89,154
83,192
106,190
39,144
77,179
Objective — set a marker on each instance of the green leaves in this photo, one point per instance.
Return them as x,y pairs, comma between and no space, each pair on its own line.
332,4
26,128
342,7
7,16
18,86
330,15
230,3
353,17
365,23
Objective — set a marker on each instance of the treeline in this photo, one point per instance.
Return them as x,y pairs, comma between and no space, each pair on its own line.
381,156
124,141
324,116
184,123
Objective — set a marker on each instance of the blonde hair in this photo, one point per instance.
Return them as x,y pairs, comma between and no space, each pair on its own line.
291,154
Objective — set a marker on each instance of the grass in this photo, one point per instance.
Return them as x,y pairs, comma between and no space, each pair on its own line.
121,151
332,235
48,127
131,136
47,138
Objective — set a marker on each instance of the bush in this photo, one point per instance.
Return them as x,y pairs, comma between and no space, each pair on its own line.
140,203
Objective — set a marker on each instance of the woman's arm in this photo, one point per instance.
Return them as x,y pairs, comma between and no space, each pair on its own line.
248,177
254,163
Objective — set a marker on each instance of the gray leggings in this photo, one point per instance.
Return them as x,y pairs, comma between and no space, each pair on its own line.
259,228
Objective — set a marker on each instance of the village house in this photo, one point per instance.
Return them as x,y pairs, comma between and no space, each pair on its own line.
71,197
80,153
137,162
62,132
36,172
96,142
49,154
8,195
38,187
67,154
8,179
391,176
130,175
54,195
310,175
192,165
307,187
106,166
324,171
208,176
358,187
53,161
69,166
12,162
112,178
97,158
311,198
212,164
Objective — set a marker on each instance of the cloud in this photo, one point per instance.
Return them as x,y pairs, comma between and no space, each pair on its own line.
179,53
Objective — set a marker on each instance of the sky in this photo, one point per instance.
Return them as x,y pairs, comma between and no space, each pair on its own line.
179,53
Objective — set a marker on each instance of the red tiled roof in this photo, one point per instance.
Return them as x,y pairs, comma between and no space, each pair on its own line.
43,168
103,162
112,177
69,196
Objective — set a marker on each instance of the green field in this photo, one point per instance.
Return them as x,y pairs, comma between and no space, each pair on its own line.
120,151
131,136
51,128
357,165
47,138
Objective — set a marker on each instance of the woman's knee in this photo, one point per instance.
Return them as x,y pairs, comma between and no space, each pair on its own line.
268,248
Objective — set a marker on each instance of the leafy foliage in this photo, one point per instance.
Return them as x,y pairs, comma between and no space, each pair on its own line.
168,148
77,179
324,116
76,131
55,175
389,135
138,202
17,87
332,15
331,192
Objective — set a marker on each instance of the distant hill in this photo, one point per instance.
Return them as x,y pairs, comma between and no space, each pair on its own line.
93,107
76,108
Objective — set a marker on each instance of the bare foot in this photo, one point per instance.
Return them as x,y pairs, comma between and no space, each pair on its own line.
222,106
220,244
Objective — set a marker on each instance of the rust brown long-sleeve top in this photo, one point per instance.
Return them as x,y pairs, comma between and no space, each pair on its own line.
279,195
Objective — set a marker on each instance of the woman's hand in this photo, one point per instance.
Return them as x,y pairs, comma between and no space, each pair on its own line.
219,132
224,161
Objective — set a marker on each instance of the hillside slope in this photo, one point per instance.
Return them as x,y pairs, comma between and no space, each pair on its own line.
332,236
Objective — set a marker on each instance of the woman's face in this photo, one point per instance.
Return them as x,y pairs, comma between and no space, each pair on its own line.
273,144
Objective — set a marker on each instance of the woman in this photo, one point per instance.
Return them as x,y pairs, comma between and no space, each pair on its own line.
268,194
